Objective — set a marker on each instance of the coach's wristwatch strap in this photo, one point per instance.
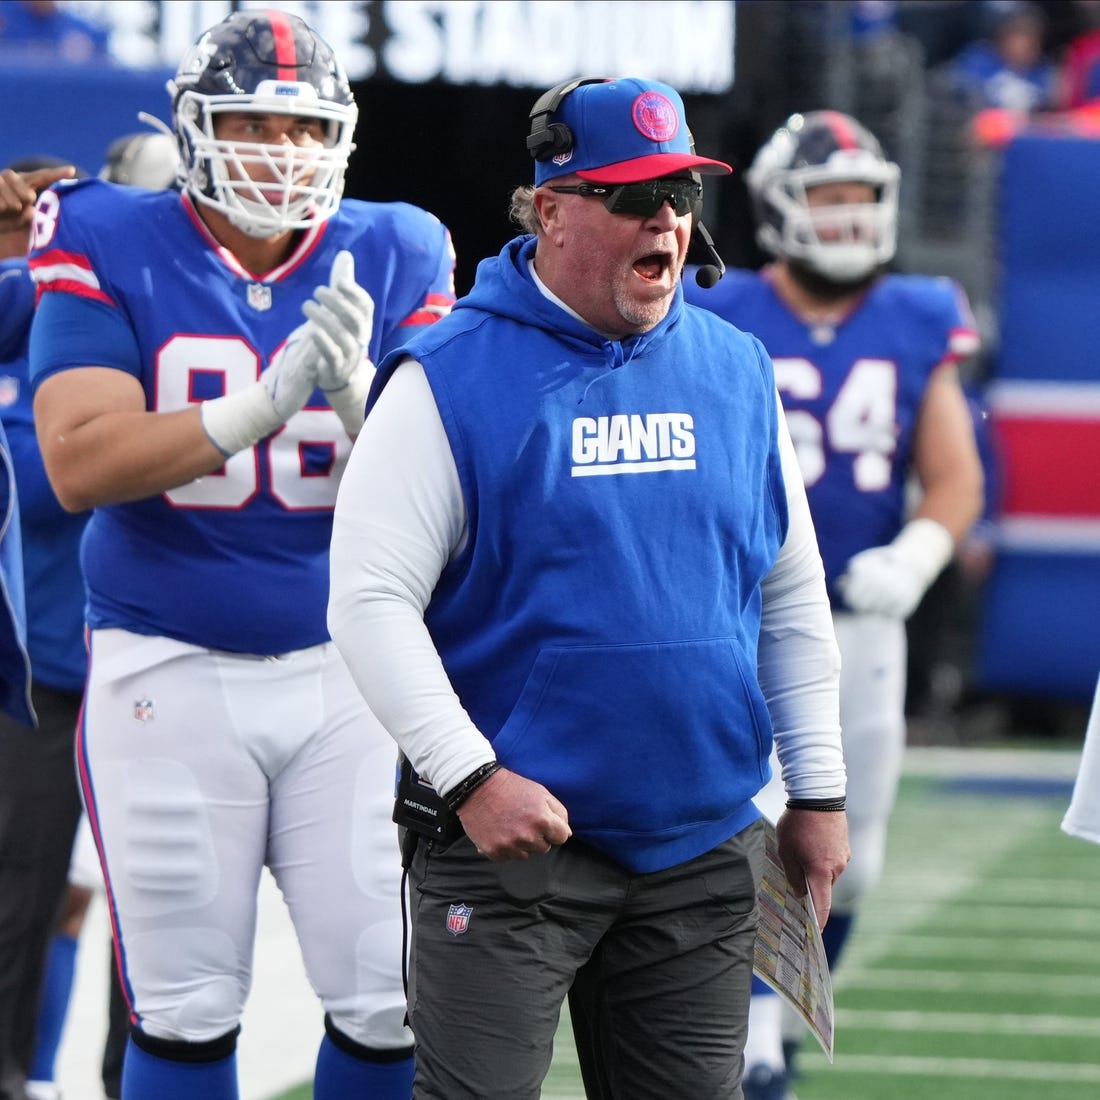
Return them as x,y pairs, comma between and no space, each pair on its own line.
827,805
457,795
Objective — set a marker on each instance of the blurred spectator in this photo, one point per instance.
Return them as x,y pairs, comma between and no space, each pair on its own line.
1079,78
39,798
43,30
942,27
147,159
1009,69
869,18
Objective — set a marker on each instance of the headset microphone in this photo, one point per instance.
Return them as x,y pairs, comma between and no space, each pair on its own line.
708,274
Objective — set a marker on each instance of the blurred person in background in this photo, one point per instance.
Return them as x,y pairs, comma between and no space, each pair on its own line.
865,363
45,31
39,797
1079,72
1082,817
143,159
147,158
1009,68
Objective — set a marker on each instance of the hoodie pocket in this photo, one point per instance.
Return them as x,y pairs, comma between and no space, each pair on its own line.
645,738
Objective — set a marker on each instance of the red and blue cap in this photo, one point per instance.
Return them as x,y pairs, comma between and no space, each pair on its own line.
624,131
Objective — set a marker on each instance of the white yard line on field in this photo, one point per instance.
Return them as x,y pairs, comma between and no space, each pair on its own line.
980,1023
912,1066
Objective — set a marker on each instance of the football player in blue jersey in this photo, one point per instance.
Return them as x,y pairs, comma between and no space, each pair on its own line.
56,593
866,365
39,797
180,395
573,567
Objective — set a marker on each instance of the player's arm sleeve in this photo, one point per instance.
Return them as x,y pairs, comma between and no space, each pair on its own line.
72,331
963,337
425,278
439,295
798,660
399,518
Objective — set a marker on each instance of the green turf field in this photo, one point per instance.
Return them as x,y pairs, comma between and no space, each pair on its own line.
974,971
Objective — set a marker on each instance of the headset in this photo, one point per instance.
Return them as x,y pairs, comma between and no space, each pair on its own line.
549,139
706,275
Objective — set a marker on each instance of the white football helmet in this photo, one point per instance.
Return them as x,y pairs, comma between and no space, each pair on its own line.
840,243
144,159
273,63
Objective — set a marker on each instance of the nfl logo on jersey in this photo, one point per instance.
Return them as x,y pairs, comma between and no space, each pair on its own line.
9,390
259,296
143,710
458,918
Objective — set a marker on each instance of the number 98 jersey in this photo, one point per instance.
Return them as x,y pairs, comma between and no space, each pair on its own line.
132,280
851,391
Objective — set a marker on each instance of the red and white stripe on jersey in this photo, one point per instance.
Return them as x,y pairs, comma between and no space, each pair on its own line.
434,307
69,272
962,343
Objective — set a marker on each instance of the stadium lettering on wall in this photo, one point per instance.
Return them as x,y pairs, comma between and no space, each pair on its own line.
519,43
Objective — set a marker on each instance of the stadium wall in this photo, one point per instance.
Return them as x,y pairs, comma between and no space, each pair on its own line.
1038,632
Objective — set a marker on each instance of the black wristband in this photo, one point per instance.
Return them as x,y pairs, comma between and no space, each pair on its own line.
826,805
457,795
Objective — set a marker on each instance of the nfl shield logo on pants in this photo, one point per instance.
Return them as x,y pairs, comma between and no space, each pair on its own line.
458,918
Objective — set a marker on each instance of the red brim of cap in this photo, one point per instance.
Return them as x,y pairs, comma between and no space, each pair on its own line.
654,167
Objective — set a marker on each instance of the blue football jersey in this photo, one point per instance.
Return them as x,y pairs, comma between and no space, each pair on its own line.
51,536
851,391
132,280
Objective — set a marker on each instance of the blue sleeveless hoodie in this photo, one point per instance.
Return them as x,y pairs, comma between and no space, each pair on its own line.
15,662
624,501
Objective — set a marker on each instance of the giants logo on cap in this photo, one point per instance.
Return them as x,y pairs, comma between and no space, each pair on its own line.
655,116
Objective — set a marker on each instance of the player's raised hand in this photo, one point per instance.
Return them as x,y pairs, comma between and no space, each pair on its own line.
19,192
342,314
239,420
293,374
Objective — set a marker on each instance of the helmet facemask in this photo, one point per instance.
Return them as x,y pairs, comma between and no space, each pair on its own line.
298,186
847,243
268,63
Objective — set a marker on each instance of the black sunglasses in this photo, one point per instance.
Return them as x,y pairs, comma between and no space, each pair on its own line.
643,199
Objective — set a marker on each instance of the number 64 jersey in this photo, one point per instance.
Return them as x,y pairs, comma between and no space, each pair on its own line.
132,280
852,391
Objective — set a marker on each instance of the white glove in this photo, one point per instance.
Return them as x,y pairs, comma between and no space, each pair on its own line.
342,314
238,420
891,580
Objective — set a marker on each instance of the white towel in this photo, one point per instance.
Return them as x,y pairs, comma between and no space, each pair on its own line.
1083,816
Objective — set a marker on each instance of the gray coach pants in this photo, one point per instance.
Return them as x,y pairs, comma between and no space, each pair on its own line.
39,811
657,968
